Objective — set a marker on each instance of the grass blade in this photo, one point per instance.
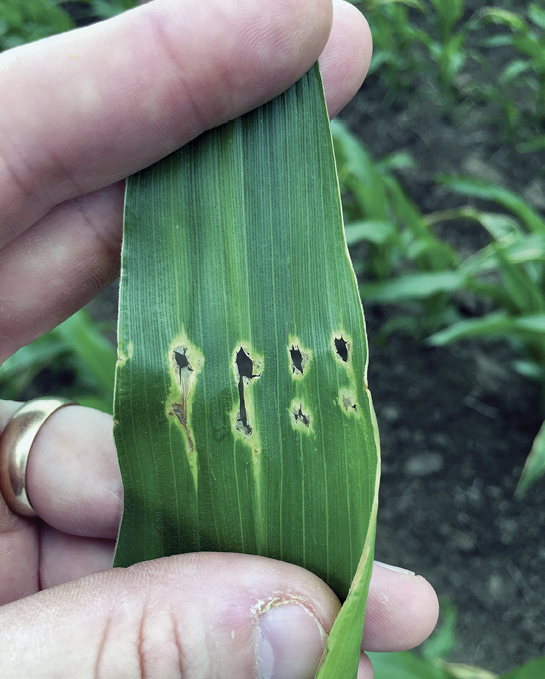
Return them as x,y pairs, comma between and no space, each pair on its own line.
487,191
534,467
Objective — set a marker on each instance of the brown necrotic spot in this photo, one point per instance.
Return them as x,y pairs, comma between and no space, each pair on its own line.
185,379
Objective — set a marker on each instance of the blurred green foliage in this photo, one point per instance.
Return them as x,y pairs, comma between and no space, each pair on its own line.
452,55
22,22
429,661
75,357
405,264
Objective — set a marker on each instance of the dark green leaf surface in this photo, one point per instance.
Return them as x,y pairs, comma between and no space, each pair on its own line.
532,670
243,421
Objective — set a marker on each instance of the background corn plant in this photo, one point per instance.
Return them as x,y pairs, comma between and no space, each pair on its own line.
407,265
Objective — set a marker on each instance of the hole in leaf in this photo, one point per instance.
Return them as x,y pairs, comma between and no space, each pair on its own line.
186,376
181,360
245,367
341,347
300,415
296,359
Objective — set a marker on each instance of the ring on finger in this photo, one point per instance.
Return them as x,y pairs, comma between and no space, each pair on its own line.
15,445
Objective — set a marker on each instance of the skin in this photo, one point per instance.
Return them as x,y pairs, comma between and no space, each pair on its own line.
80,112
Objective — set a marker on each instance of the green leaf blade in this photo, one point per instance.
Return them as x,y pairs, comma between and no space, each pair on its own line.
243,419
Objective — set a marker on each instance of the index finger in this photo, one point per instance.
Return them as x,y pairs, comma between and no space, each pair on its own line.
86,108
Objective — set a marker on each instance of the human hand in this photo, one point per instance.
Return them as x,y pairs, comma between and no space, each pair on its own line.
196,615
83,110
80,112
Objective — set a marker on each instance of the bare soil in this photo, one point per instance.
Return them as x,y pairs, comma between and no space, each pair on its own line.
457,423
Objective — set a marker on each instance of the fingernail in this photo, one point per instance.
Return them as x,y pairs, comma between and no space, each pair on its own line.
290,642
397,569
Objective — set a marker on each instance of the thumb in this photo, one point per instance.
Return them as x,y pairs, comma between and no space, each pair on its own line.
192,616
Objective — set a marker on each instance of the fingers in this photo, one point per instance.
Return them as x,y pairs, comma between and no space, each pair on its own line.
86,108
365,668
402,610
73,482
73,478
58,265
345,60
87,135
67,557
203,615
196,615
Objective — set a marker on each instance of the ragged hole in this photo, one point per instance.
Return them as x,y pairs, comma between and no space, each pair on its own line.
245,367
181,360
341,347
300,416
296,359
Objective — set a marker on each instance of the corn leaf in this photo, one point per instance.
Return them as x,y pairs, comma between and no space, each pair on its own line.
530,327
412,286
534,467
404,665
243,418
487,191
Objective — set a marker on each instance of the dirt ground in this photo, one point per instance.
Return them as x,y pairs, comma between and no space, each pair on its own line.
456,423
455,427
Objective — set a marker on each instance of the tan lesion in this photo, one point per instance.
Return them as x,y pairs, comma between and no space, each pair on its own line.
185,363
186,378
123,357
348,402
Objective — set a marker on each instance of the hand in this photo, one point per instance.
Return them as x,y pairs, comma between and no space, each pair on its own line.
196,615
83,110
79,113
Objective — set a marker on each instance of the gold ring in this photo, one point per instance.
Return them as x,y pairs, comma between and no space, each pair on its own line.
15,444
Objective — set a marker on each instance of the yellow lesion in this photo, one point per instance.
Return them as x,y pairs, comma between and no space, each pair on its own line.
185,362
122,358
341,344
